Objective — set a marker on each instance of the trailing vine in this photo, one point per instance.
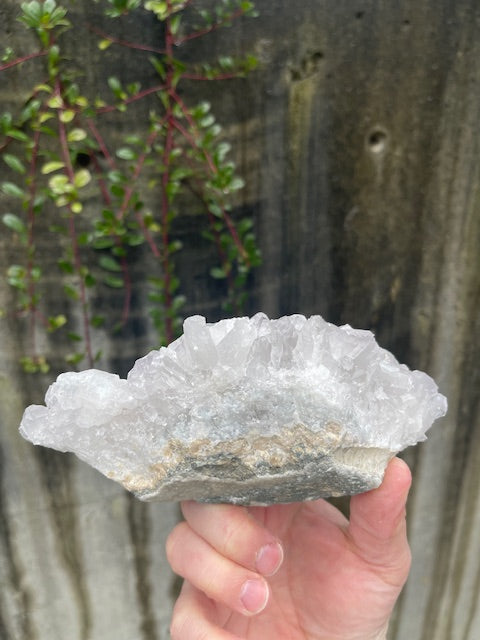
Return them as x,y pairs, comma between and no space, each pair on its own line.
58,156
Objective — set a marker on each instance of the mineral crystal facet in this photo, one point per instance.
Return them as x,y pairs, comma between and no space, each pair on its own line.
246,410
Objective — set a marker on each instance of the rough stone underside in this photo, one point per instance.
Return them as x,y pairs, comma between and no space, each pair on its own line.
294,466
247,410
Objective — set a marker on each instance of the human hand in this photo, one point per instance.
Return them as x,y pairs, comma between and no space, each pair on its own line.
297,571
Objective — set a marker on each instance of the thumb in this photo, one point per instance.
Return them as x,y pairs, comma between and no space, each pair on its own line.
377,526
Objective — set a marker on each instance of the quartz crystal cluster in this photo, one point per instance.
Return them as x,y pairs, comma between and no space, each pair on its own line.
245,410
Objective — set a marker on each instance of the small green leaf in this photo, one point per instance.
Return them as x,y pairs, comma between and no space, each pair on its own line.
82,178
13,222
50,167
14,163
67,116
76,207
110,264
103,242
71,292
43,87
114,84
175,23
16,275
6,121
119,251
159,7
215,210
226,62
218,273
222,150
201,109
90,280
97,321
125,153
60,184
175,246
136,240
66,265
11,189
63,200
56,322
104,44
8,55
116,177
55,102
236,183
117,190
74,358
43,117
76,135
114,282
177,304
206,121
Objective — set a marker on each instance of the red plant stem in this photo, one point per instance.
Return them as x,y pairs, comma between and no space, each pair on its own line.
101,143
128,290
169,144
30,241
193,143
125,43
101,182
134,98
148,236
108,201
213,27
216,234
223,76
213,168
221,252
233,232
73,234
30,56
106,196
129,191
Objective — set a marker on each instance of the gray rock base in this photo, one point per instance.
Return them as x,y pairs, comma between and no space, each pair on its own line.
294,466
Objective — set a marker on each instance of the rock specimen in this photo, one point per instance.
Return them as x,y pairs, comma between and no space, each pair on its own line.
246,410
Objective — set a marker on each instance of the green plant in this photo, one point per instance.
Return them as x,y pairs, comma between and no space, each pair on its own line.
59,157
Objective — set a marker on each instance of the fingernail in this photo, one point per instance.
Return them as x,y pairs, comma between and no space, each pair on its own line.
254,595
269,559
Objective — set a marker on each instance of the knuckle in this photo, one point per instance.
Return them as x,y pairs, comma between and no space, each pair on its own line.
237,533
230,537
174,543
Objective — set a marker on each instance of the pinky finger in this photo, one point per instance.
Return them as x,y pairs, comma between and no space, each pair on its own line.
193,617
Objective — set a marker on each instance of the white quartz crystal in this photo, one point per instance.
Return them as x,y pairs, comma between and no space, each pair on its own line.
241,378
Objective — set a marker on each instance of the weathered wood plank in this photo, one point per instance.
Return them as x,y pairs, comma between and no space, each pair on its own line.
360,143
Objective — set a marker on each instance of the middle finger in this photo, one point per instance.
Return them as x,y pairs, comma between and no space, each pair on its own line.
234,533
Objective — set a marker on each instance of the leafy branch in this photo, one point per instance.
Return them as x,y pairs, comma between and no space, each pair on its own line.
60,158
